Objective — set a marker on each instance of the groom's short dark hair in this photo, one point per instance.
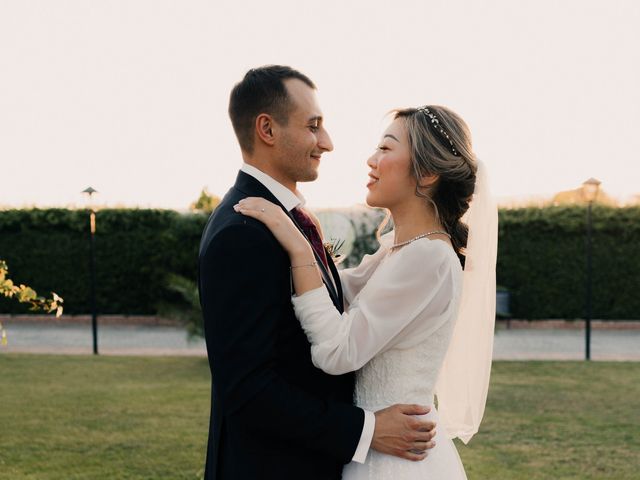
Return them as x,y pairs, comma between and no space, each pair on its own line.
262,90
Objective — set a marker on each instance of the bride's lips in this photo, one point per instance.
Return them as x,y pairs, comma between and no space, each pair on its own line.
372,180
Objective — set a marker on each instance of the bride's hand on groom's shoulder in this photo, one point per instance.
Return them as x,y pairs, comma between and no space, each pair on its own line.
398,432
277,221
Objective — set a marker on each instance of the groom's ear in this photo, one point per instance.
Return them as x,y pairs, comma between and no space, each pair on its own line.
264,128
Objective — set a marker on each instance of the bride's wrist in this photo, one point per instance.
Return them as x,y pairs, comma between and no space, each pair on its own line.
301,255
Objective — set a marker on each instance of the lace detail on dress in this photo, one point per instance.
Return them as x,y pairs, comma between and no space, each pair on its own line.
403,375
406,376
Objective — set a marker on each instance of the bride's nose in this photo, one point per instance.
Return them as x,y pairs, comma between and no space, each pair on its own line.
372,161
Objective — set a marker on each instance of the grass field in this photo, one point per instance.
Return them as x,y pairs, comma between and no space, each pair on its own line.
80,417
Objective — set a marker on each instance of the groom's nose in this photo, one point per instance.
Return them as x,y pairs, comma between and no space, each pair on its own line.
324,141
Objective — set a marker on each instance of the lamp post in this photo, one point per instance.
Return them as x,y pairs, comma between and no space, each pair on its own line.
590,189
92,268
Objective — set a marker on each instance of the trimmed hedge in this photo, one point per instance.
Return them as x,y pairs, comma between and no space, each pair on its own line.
135,249
541,258
542,261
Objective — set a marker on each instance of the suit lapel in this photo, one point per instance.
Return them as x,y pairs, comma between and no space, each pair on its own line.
336,278
328,281
253,188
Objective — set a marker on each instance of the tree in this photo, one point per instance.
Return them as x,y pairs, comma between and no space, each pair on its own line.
206,202
577,197
25,294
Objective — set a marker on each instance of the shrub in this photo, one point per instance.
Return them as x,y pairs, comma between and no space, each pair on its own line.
541,257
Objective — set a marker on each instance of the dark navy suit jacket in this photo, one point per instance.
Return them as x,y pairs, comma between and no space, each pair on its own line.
273,414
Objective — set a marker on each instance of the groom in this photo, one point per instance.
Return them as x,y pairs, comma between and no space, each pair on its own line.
273,414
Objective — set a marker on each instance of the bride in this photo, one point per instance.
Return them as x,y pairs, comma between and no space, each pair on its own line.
420,310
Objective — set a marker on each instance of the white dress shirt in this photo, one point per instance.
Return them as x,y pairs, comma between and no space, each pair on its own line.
290,201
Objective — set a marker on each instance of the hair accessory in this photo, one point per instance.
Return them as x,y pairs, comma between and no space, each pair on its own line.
436,123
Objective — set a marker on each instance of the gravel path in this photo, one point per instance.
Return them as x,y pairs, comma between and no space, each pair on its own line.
509,344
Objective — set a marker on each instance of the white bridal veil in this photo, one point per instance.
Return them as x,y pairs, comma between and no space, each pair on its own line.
463,381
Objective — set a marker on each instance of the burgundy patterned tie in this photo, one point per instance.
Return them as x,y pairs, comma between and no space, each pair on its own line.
311,231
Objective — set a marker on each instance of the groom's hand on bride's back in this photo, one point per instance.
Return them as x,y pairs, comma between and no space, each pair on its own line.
400,433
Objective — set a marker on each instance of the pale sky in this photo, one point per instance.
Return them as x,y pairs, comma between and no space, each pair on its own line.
130,96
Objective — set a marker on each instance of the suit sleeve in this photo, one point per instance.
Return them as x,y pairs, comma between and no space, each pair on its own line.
242,305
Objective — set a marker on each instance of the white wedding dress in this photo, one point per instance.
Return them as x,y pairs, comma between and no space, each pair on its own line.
401,309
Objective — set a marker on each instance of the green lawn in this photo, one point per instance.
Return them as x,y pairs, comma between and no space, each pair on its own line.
79,417
558,420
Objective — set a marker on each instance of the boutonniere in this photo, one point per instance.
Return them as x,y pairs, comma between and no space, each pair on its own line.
332,247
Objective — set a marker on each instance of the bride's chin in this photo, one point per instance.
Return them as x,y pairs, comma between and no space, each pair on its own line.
371,202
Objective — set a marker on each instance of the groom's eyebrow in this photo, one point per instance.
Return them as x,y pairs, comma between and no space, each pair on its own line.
391,136
316,118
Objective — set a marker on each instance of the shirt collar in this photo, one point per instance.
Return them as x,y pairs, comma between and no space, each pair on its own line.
285,196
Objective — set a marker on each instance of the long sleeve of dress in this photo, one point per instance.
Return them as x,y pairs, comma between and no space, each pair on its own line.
407,298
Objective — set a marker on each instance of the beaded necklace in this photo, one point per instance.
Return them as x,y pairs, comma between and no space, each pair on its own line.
402,244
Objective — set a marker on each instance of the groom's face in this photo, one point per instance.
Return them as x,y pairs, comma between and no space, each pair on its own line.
304,139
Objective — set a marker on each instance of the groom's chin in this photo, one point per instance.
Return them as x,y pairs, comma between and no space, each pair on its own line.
309,176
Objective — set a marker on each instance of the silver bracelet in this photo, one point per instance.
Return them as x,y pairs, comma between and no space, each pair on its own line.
306,265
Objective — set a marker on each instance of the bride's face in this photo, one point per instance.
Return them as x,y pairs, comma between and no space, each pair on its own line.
391,180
